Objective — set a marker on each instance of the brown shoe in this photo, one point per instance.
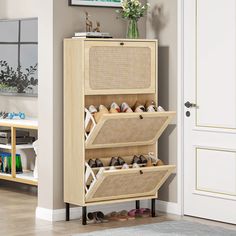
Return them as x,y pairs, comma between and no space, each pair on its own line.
98,115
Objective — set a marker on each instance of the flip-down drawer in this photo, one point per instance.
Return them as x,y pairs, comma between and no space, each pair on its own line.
128,183
128,129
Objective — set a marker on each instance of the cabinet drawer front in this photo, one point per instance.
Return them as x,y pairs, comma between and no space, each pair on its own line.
112,68
129,183
128,129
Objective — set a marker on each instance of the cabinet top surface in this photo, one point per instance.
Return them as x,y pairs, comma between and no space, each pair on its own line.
27,123
112,39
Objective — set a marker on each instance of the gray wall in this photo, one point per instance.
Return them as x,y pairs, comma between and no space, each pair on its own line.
162,25
56,21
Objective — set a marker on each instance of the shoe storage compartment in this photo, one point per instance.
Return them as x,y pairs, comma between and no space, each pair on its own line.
128,183
128,129
120,67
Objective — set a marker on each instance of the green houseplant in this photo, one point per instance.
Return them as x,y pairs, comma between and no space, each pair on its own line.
133,10
16,79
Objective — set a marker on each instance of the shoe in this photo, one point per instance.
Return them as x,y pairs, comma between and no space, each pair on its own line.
138,107
92,109
99,163
98,115
136,160
125,166
88,122
135,165
114,162
150,106
114,108
149,163
121,161
143,159
160,162
160,109
92,163
126,108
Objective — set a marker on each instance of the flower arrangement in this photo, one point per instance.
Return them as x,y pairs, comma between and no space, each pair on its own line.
133,10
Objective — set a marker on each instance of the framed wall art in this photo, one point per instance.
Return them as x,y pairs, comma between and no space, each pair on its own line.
98,3
19,57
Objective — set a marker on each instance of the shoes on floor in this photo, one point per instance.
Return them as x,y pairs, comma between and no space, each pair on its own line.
96,217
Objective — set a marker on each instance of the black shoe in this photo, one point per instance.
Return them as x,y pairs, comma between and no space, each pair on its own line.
143,159
92,163
114,162
136,160
121,161
99,163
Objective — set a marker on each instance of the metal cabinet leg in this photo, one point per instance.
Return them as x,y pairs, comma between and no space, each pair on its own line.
153,207
84,215
67,211
137,204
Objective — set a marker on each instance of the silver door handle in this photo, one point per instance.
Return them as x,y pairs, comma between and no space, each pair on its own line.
189,104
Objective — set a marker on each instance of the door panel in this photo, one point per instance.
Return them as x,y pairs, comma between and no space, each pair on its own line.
216,63
210,168
209,131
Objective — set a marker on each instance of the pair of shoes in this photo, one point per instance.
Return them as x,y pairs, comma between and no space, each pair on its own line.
117,161
119,216
140,213
96,163
96,217
150,106
115,108
139,159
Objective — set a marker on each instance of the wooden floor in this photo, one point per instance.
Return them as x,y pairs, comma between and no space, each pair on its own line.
17,216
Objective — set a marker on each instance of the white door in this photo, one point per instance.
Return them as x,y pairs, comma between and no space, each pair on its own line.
210,127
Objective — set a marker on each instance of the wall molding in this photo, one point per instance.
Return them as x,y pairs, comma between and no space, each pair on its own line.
76,212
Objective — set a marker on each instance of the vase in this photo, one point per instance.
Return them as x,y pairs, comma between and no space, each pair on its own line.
133,32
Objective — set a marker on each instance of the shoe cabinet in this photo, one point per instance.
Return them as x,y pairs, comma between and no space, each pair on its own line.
14,125
102,71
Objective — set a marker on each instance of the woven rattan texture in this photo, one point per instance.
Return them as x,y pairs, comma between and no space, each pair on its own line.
129,130
133,183
119,68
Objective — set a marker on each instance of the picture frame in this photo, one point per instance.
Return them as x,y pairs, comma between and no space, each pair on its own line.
95,3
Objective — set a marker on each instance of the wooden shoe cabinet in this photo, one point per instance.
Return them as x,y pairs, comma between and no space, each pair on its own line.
102,71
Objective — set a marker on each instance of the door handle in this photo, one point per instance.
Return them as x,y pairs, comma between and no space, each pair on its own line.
189,104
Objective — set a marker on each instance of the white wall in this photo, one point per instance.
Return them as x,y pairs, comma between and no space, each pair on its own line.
43,9
162,25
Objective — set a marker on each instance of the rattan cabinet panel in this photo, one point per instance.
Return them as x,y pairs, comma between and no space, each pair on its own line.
120,68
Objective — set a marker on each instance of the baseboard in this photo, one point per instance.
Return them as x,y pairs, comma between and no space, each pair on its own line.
76,213
168,207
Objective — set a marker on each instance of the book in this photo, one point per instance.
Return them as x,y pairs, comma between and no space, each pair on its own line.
92,35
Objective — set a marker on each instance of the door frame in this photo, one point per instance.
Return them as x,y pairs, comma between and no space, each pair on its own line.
180,104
